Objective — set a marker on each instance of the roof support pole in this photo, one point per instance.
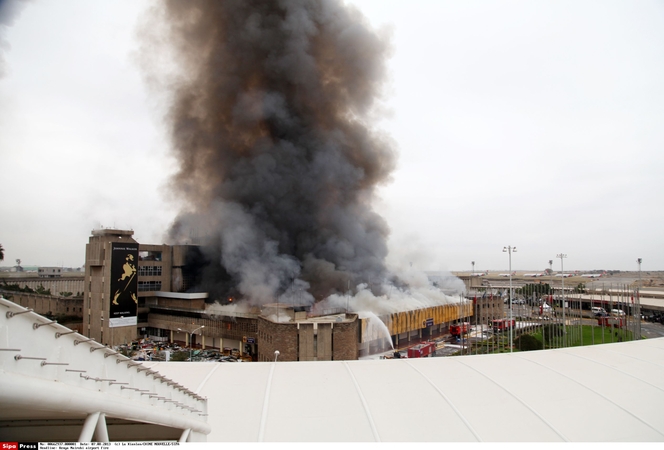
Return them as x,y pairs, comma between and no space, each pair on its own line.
89,427
185,435
101,431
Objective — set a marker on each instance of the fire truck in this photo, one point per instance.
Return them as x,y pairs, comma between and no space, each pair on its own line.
422,350
459,329
608,321
502,324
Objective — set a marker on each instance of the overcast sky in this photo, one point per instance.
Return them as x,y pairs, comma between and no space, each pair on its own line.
533,124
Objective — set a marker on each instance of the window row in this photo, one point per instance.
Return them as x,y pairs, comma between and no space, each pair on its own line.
149,271
146,286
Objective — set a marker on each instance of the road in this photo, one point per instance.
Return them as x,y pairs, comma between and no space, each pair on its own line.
652,330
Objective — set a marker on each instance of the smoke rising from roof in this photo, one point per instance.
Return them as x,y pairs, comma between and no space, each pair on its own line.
278,166
9,12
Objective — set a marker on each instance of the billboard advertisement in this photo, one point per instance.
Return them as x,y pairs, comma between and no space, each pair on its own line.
124,285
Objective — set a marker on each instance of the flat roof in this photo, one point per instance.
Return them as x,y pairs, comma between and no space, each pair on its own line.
181,295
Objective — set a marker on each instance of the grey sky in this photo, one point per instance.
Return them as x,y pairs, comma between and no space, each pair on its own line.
532,124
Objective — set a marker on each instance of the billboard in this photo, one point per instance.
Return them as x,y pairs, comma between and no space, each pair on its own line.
124,285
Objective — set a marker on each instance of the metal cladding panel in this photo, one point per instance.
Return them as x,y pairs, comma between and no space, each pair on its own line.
403,322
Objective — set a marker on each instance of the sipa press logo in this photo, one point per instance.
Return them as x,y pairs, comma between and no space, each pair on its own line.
9,445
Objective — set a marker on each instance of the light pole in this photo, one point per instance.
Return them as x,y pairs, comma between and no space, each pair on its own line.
638,303
191,339
562,274
509,249
475,309
551,296
276,355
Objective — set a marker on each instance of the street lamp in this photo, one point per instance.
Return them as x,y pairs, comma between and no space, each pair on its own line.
191,339
552,305
562,274
509,249
276,355
474,303
638,303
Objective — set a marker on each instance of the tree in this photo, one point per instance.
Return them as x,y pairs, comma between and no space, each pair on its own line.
539,289
2,253
580,289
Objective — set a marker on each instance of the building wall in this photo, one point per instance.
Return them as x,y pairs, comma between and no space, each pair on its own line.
197,304
49,272
55,285
97,288
306,338
240,329
415,320
47,304
324,342
488,309
307,341
345,339
277,336
163,281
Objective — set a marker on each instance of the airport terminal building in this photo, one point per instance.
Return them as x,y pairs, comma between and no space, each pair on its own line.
133,290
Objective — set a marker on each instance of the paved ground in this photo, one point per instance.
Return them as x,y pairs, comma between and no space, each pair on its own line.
652,330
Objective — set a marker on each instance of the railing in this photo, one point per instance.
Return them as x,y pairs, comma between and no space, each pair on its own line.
59,372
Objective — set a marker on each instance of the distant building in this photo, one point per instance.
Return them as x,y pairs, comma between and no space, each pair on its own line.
49,272
135,290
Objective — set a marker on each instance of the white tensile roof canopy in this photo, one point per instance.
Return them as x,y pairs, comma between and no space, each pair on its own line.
610,392
57,385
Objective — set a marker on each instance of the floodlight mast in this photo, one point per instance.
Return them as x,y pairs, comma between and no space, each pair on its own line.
638,303
562,274
551,293
509,249
191,339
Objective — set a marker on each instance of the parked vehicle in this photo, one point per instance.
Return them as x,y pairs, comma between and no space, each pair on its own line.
597,311
608,321
459,329
503,324
422,350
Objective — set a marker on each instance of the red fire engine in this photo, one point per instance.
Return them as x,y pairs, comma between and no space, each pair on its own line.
422,350
503,324
608,321
459,329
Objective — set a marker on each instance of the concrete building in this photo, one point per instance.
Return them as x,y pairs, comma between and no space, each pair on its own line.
287,330
49,272
135,290
124,279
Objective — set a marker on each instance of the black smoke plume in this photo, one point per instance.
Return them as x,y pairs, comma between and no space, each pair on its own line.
9,12
278,166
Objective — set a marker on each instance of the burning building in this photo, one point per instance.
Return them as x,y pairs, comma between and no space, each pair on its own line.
269,113
135,290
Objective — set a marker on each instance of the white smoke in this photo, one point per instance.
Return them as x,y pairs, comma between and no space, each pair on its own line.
418,293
